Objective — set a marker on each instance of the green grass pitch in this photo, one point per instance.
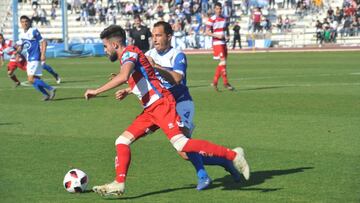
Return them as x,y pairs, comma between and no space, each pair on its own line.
297,115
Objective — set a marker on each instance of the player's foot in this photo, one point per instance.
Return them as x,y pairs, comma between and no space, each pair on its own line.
240,162
46,98
113,188
229,87
214,86
233,171
203,183
52,94
58,79
17,84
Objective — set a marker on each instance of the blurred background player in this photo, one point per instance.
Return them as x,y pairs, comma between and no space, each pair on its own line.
30,39
9,48
217,28
171,64
16,60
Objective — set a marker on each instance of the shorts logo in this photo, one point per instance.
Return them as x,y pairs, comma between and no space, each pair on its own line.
171,125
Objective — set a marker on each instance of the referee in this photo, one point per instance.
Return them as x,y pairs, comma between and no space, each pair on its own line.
140,35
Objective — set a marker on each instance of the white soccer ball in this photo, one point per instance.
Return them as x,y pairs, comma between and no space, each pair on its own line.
75,181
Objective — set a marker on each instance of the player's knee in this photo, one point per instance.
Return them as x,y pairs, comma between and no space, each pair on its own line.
123,140
178,142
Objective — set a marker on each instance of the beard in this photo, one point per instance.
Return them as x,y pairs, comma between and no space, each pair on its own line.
113,57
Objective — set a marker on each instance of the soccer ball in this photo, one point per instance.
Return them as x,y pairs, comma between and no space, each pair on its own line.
75,181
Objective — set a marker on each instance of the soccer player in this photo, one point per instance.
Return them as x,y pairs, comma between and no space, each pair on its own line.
171,64
159,109
19,61
35,45
16,60
217,28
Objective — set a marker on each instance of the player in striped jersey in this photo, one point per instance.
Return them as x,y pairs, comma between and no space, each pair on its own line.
217,28
16,60
159,109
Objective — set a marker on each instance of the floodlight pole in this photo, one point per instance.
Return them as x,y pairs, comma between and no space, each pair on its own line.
64,24
15,20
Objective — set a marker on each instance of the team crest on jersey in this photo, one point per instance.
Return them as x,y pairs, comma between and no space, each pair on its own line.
129,55
27,44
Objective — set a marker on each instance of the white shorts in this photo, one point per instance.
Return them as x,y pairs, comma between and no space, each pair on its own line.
34,68
186,111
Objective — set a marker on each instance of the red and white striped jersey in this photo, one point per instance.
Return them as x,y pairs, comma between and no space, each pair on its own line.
143,81
218,25
8,48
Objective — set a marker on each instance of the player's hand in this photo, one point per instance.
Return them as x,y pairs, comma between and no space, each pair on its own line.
90,94
121,94
43,57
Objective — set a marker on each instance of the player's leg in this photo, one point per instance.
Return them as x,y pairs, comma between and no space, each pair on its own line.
123,155
34,72
49,69
11,72
222,67
186,110
167,118
216,56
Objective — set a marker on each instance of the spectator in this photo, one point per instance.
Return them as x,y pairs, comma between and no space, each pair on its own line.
43,16
111,15
280,23
319,32
35,16
53,12
287,24
256,19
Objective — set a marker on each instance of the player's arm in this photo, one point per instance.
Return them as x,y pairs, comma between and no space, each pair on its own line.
43,45
211,34
118,80
170,76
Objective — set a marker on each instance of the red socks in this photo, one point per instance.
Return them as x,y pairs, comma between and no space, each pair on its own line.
122,162
209,149
220,71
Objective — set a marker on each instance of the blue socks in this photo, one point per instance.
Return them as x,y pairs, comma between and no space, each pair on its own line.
42,86
50,70
197,161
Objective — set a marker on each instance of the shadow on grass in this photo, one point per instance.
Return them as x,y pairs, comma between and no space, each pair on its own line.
148,194
257,178
13,123
76,98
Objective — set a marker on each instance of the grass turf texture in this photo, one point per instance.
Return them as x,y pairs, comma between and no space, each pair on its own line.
295,114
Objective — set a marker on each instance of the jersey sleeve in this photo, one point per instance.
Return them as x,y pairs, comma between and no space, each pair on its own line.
129,56
180,63
37,35
209,24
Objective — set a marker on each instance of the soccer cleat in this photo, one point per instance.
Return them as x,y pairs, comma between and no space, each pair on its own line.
113,188
229,87
215,87
58,79
233,171
46,98
52,94
203,183
240,163
17,84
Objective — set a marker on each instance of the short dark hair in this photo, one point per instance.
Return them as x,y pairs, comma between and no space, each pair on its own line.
167,27
25,17
137,16
218,4
113,31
